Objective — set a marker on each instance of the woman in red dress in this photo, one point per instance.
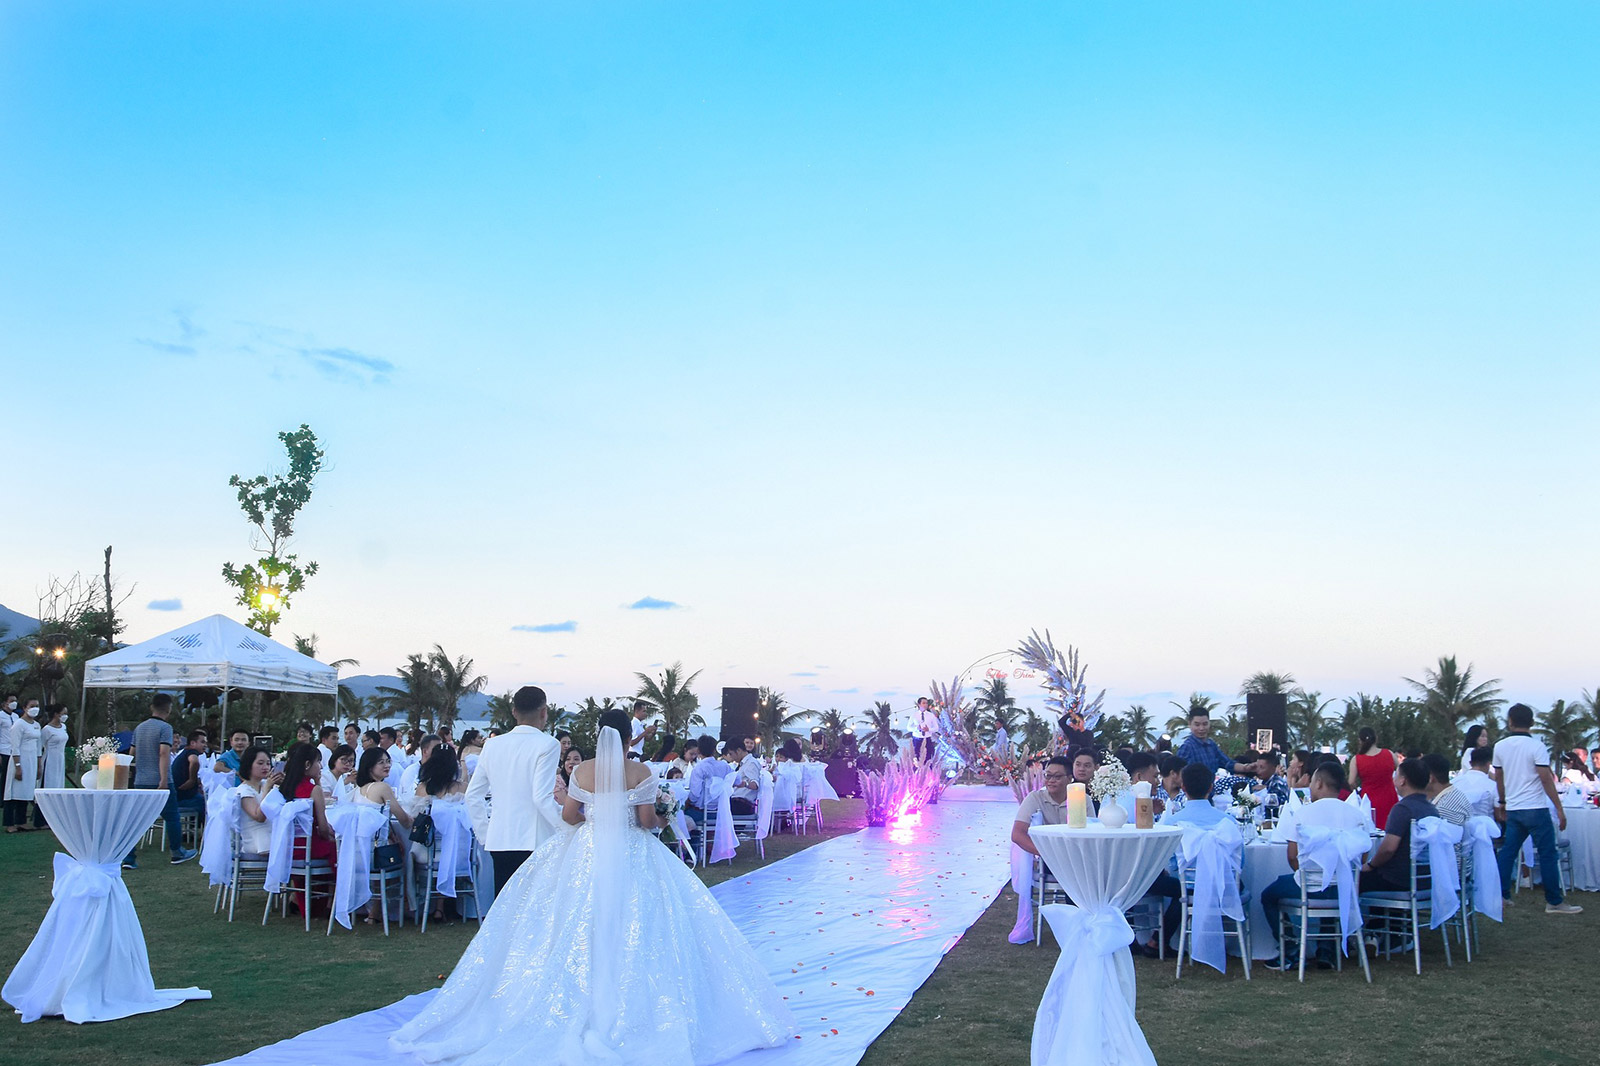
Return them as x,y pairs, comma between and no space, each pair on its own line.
1374,774
302,775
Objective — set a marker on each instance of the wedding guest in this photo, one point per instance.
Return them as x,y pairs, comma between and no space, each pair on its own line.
55,749
152,758
1084,762
565,740
1372,771
341,769
1002,740
1527,791
302,777
789,751
925,744
228,761
371,739
709,768
746,783
642,734
1169,794
303,733
1476,784
1452,805
1477,737
570,762
1143,768
372,784
327,740
439,782
1199,747
1576,772
352,736
1325,811
1049,803
1389,868
1266,784
668,751
27,746
431,743
1301,765
691,755
1197,809
399,759
257,778
186,790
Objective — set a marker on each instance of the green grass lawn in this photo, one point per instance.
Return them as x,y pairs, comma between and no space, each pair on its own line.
1522,1002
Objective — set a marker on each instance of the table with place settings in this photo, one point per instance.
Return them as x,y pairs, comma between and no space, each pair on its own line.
88,961
1086,1014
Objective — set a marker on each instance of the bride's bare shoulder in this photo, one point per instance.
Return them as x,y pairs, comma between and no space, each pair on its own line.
637,773
583,775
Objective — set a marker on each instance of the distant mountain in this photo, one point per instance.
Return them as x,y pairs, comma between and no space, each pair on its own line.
365,685
19,625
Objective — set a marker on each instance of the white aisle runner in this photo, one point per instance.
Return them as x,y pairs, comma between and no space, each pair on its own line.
848,929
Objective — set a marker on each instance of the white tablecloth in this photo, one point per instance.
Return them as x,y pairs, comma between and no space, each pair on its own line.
1264,863
1583,830
88,961
1086,1014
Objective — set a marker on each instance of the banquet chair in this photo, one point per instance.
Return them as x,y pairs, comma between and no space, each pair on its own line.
382,881
1240,927
1044,885
467,881
1317,913
247,871
815,778
191,824
316,881
1145,916
1404,914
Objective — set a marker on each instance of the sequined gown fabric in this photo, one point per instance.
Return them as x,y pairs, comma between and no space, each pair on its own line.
602,949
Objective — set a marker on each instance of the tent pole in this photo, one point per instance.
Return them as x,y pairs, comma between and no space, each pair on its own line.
224,729
83,708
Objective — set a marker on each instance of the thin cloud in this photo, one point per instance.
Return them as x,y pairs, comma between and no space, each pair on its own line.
804,673
337,363
568,626
843,691
650,603
887,692
183,343
165,605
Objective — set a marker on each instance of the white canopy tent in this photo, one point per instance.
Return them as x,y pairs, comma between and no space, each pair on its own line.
215,652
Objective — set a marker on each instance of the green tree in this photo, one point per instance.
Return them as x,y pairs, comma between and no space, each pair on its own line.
1402,726
883,739
416,697
1112,733
1036,732
1141,730
453,680
834,726
1308,727
271,502
1449,695
1265,683
346,705
1588,710
670,696
775,720
500,716
1001,707
1562,726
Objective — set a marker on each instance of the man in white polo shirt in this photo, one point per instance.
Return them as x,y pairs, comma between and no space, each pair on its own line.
1527,793
1327,811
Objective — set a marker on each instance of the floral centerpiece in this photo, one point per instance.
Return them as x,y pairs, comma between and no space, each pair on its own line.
667,808
87,755
1243,807
1109,782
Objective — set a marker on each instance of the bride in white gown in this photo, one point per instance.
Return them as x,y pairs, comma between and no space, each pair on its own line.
602,949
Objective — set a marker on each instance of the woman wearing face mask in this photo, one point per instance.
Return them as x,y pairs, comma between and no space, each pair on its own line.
8,718
54,737
27,744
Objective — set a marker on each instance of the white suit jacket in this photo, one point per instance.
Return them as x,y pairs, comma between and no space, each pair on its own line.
517,772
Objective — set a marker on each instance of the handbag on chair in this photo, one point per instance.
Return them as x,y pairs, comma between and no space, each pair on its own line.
386,858
422,830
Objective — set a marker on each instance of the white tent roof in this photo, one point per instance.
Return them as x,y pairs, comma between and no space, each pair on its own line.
214,652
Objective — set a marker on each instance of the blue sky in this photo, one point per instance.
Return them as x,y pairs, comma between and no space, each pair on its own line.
1215,338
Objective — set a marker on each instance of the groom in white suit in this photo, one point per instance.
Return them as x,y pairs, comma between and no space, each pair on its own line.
517,771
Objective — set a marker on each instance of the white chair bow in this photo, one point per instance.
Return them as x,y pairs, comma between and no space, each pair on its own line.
216,850
450,824
356,826
765,805
725,844
1215,854
1022,884
287,818
1336,852
1439,838
1478,836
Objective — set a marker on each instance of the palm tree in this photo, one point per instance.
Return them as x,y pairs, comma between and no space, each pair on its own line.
1307,726
1266,683
1197,704
1112,733
1589,714
1449,695
1000,704
346,704
883,740
453,679
833,725
500,717
1036,732
1562,725
774,720
1141,731
670,697
417,695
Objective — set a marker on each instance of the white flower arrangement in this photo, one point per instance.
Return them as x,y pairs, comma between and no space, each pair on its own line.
1244,805
90,750
1109,781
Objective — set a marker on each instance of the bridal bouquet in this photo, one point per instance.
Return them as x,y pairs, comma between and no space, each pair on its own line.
1109,781
667,808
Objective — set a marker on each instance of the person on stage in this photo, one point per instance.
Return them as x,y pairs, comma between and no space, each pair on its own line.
926,743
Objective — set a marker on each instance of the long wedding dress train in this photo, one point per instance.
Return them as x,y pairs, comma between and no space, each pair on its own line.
602,949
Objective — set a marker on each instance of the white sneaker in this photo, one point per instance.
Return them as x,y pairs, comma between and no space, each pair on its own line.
1562,908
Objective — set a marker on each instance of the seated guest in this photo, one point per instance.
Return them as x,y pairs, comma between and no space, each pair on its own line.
370,739
1267,785
238,742
570,762
1389,869
1298,773
257,778
1169,793
1084,762
746,785
407,787
1049,803
1141,767
1325,810
668,751
690,754
1197,810
1196,778
1576,772
1446,798
708,768
1327,757
341,769
1476,785
789,751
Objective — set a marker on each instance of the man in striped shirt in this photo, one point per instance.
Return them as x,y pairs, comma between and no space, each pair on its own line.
1452,805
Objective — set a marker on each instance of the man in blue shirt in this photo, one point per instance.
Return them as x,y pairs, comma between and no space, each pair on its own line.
1200,748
